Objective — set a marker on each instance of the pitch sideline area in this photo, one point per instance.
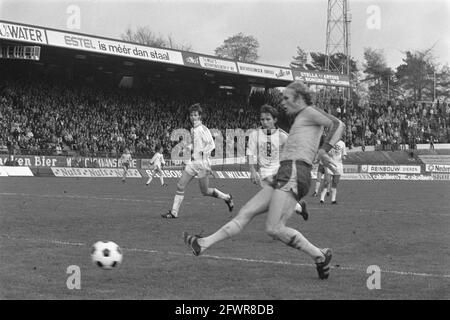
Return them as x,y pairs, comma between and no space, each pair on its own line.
49,224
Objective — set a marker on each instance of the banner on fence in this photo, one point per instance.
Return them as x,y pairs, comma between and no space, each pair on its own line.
94,173
390,169
15,172
437,168
406,177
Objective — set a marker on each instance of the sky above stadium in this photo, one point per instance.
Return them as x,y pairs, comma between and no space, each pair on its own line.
279,25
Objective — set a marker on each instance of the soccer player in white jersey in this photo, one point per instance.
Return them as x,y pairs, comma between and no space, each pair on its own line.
264,147
158,162
320,173
199,165
337,153
292,181
126,161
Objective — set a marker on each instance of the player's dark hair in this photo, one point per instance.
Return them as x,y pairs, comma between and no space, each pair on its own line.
158,147
196,107
301,90
266,108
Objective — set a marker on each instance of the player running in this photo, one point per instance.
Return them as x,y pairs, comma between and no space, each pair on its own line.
320,171
158,162
126,161
264,147
199,165
337,153
292,181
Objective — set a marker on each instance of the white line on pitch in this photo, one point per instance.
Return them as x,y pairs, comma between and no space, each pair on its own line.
262,261
68,196
79,197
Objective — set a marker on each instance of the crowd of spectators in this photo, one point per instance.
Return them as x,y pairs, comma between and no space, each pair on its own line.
394,125
40,117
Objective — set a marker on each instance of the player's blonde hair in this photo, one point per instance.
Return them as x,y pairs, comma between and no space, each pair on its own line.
301,90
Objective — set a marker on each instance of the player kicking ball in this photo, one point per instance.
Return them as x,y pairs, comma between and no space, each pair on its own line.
158,162
264,147
291,183
126,161
332,177
199,165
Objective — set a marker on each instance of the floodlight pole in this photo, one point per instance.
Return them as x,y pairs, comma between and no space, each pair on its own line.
338,37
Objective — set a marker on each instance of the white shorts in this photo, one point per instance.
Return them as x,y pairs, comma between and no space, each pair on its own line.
267,181
339,171
157,168
268,172
267,175
199,168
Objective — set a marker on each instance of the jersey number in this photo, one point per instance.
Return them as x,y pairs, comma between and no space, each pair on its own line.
269,149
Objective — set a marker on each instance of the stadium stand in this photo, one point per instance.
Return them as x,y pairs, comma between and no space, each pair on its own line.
51,117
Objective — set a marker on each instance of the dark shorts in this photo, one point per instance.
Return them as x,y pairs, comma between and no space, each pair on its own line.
126,165
321,169
293,176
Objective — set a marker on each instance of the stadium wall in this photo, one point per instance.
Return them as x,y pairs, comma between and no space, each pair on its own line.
367,173
412,165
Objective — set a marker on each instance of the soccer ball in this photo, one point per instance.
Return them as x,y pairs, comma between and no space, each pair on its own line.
106,254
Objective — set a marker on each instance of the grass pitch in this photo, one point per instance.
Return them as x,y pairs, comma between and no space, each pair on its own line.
49,224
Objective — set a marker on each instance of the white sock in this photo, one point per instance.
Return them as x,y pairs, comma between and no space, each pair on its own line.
177,203
316,189
150,178
299,242
322,195
161,178
298,207
333,194
219,194
229,230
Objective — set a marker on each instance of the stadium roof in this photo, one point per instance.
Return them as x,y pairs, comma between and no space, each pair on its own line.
131,54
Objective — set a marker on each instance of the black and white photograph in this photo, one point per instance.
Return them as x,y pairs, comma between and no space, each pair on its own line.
224,156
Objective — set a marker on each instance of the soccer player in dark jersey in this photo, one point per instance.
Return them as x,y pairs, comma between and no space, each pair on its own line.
292,181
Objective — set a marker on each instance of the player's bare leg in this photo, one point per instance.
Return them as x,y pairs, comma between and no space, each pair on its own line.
214,192
150,178
179,196
257,205
281,207
318,182
334,184
161,179
324,187
125,170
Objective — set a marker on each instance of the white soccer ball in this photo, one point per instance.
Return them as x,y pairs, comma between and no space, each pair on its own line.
106,254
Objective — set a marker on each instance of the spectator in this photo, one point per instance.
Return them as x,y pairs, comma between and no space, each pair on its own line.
39,117
11,162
